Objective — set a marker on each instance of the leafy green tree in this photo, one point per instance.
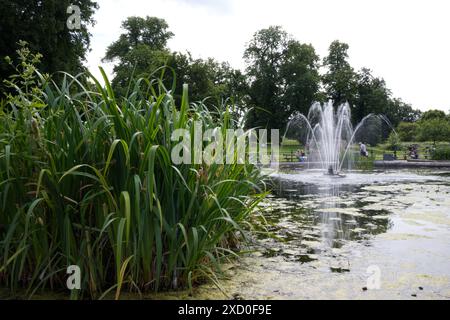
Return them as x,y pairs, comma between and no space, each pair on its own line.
139,51
264,55
433,114
340,79
300,75
394,142
217,81
372,96
43,25
283,75
236,89
408,131
435,129
434,126
152,32
366,93
142,50
399,111
205,79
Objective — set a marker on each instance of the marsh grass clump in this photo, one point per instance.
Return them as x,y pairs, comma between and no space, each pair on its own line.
86,179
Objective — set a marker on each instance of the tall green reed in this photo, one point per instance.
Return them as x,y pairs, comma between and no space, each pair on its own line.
86,179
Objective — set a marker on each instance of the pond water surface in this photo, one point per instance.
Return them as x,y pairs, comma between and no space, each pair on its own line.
378,235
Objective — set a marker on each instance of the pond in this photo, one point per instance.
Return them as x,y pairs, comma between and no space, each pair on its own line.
377,235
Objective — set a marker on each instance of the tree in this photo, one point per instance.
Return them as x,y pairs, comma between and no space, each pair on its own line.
300,75
264,55
366,93
394,143
224,83
434,125
399,111
435,129
236,89
215,82
43,25
407,131
340,79
433,114
142,50
372,96
139,51
149,31
283,75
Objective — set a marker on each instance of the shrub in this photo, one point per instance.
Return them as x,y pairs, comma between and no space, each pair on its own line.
432,114
441,153
393,142
407,131
434,130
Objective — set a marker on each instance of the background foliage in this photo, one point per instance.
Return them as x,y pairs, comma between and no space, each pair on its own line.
43,25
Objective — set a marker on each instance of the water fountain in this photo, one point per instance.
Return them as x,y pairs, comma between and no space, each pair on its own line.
328,135
325,221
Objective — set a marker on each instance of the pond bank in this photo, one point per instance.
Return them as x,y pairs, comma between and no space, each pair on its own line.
411,164
393,164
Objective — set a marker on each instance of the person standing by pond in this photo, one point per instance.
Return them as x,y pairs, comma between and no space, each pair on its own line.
363,150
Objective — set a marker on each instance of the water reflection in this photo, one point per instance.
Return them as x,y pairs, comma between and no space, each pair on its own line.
307,220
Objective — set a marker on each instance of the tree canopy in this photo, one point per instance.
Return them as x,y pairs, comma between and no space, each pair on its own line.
340,80
142,50
434,129
43,25
283,77
433,114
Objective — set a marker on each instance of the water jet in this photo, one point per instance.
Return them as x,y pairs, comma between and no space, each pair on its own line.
329,135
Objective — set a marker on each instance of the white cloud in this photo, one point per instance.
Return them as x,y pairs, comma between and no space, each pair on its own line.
404,41
222,6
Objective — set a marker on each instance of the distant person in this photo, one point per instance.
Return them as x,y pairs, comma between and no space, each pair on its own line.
363,150
301,155
414,154
298,155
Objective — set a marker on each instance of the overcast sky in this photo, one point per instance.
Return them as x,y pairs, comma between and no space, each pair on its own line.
406,42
